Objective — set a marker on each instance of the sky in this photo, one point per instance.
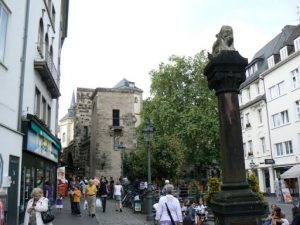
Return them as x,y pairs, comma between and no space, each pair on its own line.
109,40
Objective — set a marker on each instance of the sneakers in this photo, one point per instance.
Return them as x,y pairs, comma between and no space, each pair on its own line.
120,210
93,215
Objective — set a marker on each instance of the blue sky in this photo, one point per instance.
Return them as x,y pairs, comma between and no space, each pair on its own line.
111,40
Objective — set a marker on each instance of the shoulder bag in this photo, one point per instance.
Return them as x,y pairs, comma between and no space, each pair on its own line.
172,220
47,216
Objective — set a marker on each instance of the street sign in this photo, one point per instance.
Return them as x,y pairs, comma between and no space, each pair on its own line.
269,161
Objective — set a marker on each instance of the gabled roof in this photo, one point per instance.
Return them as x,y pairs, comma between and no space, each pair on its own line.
271,48
126,84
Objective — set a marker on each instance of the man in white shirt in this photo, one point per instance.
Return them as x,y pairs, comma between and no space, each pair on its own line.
171,204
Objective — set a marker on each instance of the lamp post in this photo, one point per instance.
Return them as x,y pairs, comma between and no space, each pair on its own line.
148,134
122,147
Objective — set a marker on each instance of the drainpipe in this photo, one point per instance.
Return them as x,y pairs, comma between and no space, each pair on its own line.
23,64
271,169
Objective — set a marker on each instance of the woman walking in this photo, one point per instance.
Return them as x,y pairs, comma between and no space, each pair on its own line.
168,209
118,189
103,192
35,206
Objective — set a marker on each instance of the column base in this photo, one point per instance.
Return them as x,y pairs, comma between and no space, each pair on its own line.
237,204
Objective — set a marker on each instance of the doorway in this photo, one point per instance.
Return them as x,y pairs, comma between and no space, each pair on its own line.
12,216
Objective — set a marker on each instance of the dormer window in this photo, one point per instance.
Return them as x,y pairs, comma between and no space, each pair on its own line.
297,44
283,53
271,61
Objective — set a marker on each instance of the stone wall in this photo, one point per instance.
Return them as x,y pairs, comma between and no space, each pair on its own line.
107,140
82,130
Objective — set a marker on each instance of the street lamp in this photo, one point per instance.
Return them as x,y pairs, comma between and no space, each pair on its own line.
148,134
122,147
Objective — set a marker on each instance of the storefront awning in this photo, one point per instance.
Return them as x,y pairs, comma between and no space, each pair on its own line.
293,172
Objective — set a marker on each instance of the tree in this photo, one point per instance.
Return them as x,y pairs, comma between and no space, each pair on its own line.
183,112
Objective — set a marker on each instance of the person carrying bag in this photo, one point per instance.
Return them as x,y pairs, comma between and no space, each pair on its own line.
168,210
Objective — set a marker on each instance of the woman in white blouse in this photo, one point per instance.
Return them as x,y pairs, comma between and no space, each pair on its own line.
162,215
35,206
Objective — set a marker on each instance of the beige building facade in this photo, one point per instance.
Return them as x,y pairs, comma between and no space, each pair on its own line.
115,115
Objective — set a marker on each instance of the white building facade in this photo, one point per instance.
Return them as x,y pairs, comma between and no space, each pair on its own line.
270,111
31,38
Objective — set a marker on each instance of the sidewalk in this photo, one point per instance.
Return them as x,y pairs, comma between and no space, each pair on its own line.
66,218
110,217
126,217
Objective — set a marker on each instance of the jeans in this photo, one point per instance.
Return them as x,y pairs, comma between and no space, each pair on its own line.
103,200
77,208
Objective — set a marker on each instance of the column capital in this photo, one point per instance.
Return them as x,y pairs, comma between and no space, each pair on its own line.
226,71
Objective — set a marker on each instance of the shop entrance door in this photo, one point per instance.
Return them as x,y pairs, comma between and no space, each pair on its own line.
13,172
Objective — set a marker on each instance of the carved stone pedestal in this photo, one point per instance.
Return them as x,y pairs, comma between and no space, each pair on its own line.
236,204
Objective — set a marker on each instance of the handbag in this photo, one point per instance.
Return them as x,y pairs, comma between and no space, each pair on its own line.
98,203
47,216
170,215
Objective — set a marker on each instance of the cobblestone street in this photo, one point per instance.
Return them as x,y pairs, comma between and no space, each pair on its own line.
126,217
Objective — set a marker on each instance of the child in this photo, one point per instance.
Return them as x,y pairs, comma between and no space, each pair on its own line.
59,203
76,200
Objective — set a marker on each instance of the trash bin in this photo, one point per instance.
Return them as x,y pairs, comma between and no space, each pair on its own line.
137,205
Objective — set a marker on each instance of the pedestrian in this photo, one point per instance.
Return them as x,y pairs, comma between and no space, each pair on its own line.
186,218
76,199
48,192
284,220
103,192
72,185
168,209
268,220
276,218
35,206
167,182
90,194
111,187
118,189
192,211
59,202
296,215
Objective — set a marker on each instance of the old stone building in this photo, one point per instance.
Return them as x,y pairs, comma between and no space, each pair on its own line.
82,130
115,115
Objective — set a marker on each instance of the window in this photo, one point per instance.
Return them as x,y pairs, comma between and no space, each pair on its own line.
3,28
53,16
277,90
271,62
279,149
248,94
247,120
244,148
295,78
48,115
241,98
250,144
46,47
297,44
44,112
297,109
242,122
64,137
41,38
263,144
37,103
280,119
257,88
86,131
116,117
284,148
283,53
260,119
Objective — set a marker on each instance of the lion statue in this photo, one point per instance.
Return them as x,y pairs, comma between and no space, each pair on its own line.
224,41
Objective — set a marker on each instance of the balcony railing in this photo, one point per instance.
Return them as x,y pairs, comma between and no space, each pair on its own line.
49,74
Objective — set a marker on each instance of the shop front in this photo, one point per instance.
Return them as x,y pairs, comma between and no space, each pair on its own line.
39,161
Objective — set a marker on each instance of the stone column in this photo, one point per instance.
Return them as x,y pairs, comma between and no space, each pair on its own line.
272,179
261,179
235,204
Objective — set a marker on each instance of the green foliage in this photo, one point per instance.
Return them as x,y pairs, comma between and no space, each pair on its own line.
183,112
254,185
214,185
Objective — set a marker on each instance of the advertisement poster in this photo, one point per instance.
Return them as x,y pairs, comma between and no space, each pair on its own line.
286,195
61,180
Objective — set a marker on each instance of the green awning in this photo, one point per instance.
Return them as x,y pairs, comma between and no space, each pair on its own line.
42,133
